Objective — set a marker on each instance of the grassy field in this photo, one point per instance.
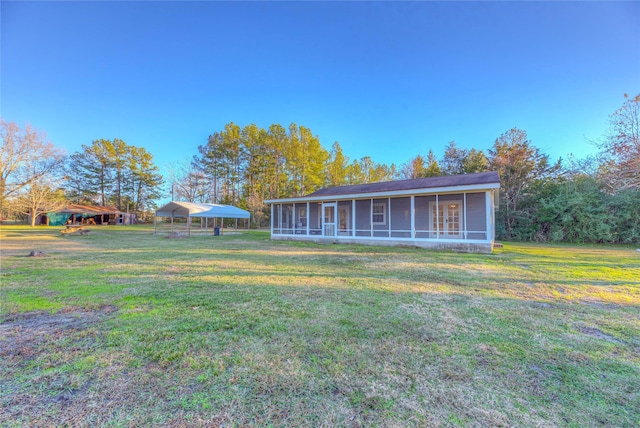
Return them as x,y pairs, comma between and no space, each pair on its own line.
124,328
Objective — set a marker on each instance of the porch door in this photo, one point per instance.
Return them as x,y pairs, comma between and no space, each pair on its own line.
329,219
445,219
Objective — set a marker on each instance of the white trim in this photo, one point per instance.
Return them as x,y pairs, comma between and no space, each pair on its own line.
333,205
489,207
437,217
413,217
389,216
464,215
353,217
378,195
382,238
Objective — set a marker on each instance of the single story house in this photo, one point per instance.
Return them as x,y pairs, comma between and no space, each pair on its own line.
85,214
454,212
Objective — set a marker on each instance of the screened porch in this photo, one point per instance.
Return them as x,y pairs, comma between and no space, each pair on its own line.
452,216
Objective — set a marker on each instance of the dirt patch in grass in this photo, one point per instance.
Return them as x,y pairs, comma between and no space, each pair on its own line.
22,334
598,334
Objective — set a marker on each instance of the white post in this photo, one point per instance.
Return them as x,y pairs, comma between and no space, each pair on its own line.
413,217
271,219
437,218
353,217
389,214
371,218
489,207
308,218
464,214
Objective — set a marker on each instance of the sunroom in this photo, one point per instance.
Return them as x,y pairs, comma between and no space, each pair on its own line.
449,212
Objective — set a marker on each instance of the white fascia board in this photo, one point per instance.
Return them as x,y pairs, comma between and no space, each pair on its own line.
377,195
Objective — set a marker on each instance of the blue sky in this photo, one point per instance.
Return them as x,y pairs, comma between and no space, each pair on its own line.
385,79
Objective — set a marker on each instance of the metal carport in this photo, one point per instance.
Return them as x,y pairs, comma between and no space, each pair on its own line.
190,210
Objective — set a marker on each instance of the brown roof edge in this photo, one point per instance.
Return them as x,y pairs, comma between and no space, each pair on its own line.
87,209
418,183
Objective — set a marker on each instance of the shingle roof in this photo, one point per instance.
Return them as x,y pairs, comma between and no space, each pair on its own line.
418,183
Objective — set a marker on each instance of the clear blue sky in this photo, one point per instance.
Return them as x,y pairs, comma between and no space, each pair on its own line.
384,79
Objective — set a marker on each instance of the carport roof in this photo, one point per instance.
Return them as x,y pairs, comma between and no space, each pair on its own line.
190,209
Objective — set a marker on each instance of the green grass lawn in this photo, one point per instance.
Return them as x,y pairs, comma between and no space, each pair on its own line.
125,328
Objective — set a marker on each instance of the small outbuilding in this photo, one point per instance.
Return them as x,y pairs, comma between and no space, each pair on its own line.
454,212
190,210
85,214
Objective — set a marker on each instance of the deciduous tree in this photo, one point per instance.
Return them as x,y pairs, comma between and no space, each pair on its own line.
520,165
620,168
25,157
39,197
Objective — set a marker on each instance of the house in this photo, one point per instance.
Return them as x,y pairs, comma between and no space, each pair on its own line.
454,212
85,214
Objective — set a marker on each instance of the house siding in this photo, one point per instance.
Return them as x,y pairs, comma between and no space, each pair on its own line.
437,217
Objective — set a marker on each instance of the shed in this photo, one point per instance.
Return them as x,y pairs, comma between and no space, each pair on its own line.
86,214
449,212
189,210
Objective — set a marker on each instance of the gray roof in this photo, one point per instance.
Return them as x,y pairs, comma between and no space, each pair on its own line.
418,183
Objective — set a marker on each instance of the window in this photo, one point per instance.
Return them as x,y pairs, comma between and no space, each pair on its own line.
379,213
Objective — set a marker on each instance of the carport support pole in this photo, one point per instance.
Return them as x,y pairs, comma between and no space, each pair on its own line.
189,226
236,224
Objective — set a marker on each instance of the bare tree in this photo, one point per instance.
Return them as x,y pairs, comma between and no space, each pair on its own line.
39,197
25,158
189,183
620,164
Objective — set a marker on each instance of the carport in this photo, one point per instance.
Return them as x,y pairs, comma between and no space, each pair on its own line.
190,210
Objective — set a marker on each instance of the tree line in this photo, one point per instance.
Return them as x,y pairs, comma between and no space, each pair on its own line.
36,177
574,200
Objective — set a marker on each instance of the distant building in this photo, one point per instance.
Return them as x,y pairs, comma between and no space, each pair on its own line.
85,214
454,212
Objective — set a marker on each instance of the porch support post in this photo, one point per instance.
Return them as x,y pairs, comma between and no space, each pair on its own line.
489,207
464,214
371,219
437,218
353,217
389,214
413,217
294,223
271,219
307,219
